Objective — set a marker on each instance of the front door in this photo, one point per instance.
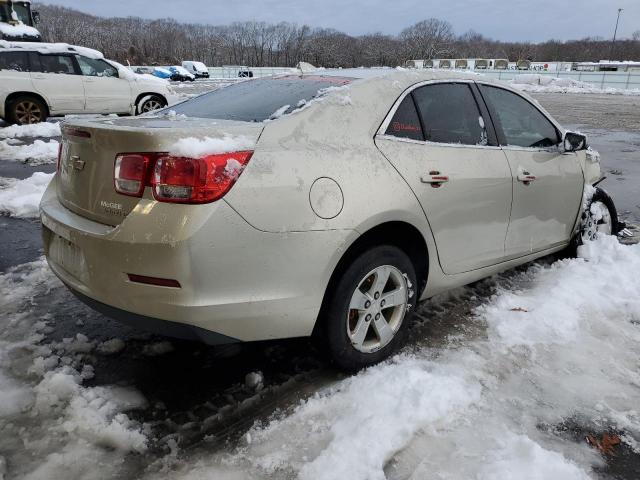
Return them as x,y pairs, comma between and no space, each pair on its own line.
104,90
548,184
439,142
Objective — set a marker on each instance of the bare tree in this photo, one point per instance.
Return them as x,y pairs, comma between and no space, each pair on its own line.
140,41
428,39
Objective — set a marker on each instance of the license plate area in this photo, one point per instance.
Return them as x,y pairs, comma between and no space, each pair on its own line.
68,256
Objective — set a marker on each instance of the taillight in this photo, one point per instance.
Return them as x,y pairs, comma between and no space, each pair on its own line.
130,173
196,180
179,179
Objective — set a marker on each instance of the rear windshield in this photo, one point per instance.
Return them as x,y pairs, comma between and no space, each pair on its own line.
260,99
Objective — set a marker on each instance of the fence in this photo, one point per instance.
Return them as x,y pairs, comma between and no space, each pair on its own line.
623,80
233,71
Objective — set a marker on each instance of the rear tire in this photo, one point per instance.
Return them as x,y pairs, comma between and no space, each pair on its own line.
366,317
26,110
151,103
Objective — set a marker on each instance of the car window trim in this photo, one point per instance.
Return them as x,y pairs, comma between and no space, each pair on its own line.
502,139
381,132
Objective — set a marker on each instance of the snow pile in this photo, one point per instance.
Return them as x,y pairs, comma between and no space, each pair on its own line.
37,153
53,426
92,414
21,198
557,343
199,147
44,129
536,83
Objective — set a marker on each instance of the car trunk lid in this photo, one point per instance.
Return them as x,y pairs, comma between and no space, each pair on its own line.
85,174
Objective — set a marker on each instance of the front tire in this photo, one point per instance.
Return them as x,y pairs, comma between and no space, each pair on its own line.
368,310
27,110
151,103
599,218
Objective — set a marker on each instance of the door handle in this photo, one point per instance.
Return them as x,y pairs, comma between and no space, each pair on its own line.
526,177
435,178
39,77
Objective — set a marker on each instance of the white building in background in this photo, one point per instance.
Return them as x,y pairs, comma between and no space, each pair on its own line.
504,64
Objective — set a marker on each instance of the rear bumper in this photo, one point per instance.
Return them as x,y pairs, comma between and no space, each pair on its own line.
236,281
155,325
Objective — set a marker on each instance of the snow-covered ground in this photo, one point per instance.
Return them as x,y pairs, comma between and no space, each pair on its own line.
537,83
20,198
556,344
37,153
44,129
53,426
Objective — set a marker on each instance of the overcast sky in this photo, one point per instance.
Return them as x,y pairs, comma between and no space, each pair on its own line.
532,20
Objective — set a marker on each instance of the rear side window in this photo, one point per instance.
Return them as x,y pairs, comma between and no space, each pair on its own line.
522,123
258,100
450,114
18,61
405,122
57,64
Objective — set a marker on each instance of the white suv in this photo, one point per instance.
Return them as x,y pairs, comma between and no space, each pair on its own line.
38,80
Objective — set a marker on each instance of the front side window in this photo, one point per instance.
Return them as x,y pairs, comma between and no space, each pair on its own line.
522,123
405,122
450,114
18,61
57,64
93,67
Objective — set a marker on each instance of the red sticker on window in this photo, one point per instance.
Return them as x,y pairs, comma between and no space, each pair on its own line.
404,127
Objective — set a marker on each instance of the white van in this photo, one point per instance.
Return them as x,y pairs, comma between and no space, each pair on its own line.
198,69
38,80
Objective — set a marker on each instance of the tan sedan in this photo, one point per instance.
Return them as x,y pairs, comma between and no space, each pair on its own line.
327,204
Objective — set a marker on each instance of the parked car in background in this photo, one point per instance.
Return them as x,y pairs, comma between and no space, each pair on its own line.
38,80
162,72
325,204
198,69
181,74
17,21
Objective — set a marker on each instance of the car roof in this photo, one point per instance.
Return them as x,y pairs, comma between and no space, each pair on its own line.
42,47
398,72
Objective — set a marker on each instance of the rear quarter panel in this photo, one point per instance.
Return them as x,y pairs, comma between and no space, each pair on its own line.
334,139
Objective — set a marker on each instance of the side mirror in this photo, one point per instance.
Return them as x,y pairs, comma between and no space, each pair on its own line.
574,142
36,17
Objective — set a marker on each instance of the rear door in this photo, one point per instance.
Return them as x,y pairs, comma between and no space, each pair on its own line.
441,141
548,184
57,78
15,71
105,92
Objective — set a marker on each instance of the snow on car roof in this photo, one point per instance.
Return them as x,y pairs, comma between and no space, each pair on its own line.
377,72
50,48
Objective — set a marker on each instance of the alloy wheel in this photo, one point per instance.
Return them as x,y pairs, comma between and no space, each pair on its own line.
28,112
151,105
377,308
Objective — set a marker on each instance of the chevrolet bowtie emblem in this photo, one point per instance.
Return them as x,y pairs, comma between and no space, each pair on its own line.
77,163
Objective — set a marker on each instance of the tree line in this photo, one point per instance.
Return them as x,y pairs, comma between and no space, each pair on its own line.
148,42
